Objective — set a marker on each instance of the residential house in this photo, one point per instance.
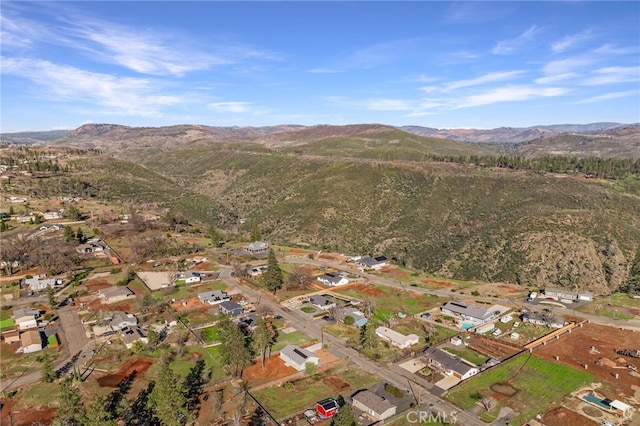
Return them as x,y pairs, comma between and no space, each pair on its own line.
297,357
231,308
190,277
39,283
250,322
214,297
169,320
11,336
333,279
93,245
257,271
472,313
358,317
115,294
321,302
451,365
568,296
31,341
133,334
397,339
456,341
26,318
375,263
52,215
373,405
120,320
257,248
542,319
26,219
327,408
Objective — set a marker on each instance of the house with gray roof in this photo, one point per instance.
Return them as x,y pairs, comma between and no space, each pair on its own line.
358,317
120,320
297,357
257,248
213,297
321,302
374,406
475,314
569,296
449,364
377,262
231,308
115,294
38,283
133,334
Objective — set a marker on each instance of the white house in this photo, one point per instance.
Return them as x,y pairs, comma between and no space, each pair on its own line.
451,365
397,339
568,296
38,283
297,357
257,247
373,405
31,341
52,215
333,279
213,297
321,302
375,263
120,320
26,318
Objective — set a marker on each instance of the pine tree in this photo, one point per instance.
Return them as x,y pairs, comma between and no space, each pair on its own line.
344,417
235,353
273,275
255,233
71,409
48,374
167,398
368,336
260,339
216,238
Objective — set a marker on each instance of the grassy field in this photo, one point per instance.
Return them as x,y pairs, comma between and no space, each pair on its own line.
286,400
616,300
294,338
468,354
209,334
539,383
6,323
308,309
389,301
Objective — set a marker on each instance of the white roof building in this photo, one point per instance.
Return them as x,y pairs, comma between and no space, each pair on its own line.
397,339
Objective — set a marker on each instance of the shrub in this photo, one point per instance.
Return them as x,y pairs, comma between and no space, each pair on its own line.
349,320
392,390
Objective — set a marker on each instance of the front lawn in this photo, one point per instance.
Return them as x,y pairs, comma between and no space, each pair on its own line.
468,354
209,334
294,338
538,384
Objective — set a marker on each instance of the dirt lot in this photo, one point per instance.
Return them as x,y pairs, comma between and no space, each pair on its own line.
190,304
574,350
275,368
562,416
439,284
504,290
136,366
362,288
490,348
26,416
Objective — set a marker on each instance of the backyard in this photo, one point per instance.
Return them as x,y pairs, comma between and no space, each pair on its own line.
294,397
526,384
618,306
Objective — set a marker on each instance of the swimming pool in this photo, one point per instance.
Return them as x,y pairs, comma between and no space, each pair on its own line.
467,325
589,397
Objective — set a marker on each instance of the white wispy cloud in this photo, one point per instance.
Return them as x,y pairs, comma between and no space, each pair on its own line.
470,12
608,96
491,77
557,78
324,71
237,107
568,65
612,75
388,105
508,46
570,41
510,94
612,49
118,95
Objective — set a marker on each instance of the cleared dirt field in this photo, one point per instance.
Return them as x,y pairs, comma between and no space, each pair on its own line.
275,368
135,367
562,416
190,304
489,347
155,280
501,289
574,350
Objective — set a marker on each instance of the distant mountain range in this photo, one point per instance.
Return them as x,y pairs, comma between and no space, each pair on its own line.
501,135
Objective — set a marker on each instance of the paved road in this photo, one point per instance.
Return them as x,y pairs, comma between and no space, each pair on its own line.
313,328
76,345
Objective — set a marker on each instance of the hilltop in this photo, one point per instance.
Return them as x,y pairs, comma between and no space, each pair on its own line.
447,207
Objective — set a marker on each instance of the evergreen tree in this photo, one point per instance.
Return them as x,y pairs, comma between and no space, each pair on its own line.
51,295
255,233
73,213
80,235
235,353
344,417
71,409
216,238
273,275
632,286
260,339
68,234
48,373
97,413
167,398
368,336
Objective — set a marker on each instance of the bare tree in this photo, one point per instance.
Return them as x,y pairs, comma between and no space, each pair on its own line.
488,403
368,306
300,277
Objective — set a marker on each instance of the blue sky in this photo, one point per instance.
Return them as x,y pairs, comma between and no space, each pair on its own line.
436,64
